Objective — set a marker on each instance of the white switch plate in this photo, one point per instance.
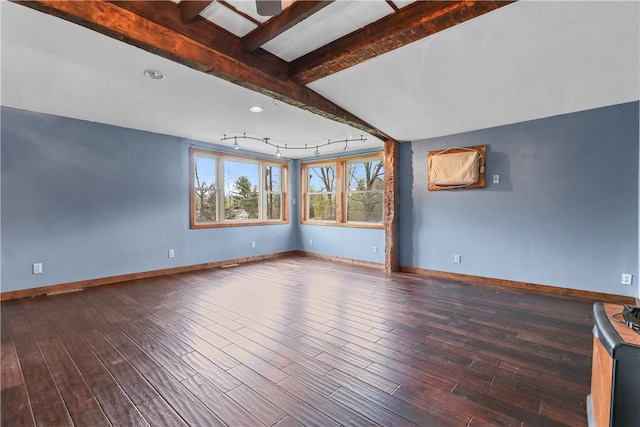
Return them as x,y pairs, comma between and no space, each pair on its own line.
457,259
626,278
37,268
496,179
253,245
375,249
171,253
310,242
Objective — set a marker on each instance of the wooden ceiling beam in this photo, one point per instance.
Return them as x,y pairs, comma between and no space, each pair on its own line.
291,16
189,10
167,41
167,15
409,24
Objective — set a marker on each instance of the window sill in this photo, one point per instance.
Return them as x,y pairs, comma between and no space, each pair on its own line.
344,224
236,224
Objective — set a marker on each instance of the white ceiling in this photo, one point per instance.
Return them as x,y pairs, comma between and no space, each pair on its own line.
523,61
312,33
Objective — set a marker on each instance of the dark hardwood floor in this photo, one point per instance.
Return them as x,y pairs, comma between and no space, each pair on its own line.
296,341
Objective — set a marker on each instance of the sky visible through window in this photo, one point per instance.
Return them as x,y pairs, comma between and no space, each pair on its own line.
206,168
357,172
322,178
232,170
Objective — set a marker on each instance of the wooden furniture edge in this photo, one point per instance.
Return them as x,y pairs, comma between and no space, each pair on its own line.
596,296
601,384
82,284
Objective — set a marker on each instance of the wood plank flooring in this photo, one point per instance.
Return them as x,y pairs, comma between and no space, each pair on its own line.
296,342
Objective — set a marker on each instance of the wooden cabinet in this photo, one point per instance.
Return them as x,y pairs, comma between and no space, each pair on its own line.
615,373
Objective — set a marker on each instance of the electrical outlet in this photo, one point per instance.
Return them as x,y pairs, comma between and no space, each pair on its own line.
253,245
457,259
310,242
37,268
626,278
496,179
171,253
375,249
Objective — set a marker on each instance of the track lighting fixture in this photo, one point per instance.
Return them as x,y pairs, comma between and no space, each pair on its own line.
316,153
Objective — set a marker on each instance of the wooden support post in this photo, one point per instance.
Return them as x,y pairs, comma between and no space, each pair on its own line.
390,214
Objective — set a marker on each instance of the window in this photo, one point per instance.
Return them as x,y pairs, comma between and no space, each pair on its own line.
344,192
205,189
232,190
364,191
273,191
241,190
321,193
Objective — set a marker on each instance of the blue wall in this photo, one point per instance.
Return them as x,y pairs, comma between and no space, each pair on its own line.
341,241
565,212
345,242
90,200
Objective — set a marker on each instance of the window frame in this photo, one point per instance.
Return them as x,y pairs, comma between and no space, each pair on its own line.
342,182
336,191
220,158
348,192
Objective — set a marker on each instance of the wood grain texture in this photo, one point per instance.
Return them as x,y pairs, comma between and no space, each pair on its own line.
390,212
291,16
190,9
83,284
411,23
296,341
594,296
601,383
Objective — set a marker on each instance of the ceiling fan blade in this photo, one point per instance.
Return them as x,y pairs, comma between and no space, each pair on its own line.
268,7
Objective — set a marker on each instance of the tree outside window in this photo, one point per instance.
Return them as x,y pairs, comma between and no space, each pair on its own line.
204,189
241,190
365,191
228,190
321,193
273,190
344,191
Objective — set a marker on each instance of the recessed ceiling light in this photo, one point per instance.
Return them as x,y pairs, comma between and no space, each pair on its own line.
255,109
154,74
